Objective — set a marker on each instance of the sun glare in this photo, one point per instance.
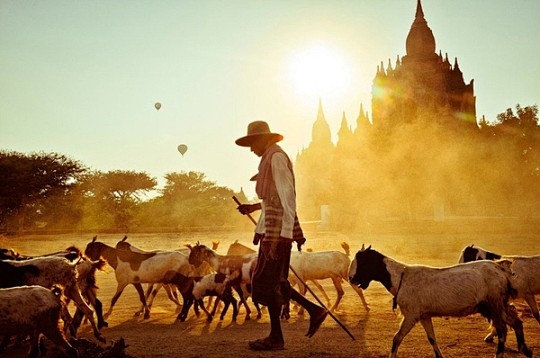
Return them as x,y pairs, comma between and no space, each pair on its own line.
319,71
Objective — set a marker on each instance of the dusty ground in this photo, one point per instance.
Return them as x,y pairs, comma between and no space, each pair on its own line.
163,336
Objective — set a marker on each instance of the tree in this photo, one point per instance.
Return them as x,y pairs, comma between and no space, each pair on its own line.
117,193
26,179
519,135
189,200
526,117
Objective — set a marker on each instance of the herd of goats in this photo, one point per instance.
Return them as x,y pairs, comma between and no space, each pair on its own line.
35,291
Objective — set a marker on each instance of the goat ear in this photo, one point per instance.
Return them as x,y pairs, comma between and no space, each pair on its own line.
369,247
188,246
362,248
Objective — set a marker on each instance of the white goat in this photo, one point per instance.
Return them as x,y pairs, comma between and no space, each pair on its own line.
216,285
136,268
228,264
525,278
423,292
86,279
195,288
151,292
34,310
312,266
52,270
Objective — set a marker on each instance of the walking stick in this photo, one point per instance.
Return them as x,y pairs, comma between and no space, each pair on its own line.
305,284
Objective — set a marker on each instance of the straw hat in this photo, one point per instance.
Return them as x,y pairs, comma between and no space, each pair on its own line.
255,131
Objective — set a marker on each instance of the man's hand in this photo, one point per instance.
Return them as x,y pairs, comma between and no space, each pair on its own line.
245,209
257,238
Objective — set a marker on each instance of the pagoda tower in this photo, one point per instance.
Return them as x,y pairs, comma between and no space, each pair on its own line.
420,82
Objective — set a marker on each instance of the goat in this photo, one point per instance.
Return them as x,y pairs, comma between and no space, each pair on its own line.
423,292
151,292
86,278
525,278
239,249
312,266
218,285
34,310
137,268
184,285
195,288
87,282
47,271
8,254
315,266
471,253
228,264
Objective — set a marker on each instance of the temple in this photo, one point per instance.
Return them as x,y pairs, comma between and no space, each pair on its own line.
421,80
422,93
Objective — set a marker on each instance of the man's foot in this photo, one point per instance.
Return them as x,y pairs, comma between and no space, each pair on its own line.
266,344
315,321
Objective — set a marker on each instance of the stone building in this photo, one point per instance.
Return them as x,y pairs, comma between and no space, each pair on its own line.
420,90
421,80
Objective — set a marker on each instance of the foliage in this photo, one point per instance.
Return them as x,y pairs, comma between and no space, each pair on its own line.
526,117
117,194
188,199
26,179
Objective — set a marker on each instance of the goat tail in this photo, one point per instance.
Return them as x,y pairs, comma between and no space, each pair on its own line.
346,248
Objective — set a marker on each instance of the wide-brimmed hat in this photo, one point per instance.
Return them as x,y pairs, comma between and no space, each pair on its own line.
255,131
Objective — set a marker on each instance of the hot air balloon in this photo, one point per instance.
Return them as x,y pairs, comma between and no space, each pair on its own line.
157,105
182,148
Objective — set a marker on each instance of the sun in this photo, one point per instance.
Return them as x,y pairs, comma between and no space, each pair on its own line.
319,70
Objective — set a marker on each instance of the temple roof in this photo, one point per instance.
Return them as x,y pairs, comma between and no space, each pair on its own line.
420,40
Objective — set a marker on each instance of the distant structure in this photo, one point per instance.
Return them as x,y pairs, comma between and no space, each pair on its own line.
421,82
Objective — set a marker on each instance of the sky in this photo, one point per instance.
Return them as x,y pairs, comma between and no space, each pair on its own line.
81,78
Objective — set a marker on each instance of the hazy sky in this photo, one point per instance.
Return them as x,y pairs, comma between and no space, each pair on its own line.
81,78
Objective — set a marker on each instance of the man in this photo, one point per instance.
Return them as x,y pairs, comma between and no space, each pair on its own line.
276,230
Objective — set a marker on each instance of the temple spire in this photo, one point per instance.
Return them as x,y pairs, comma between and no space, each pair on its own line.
420,41
456,66
344,129
320,113
320,132
419,11
344,133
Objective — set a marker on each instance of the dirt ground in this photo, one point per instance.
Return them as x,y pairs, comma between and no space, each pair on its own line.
163,336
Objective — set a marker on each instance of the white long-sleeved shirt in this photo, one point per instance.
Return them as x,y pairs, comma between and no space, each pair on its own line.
284,181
